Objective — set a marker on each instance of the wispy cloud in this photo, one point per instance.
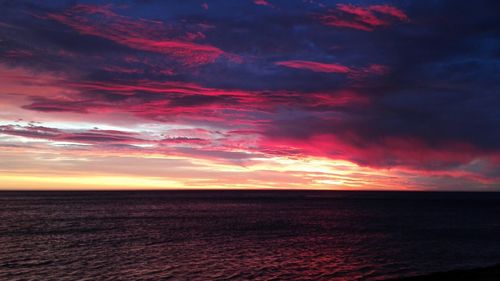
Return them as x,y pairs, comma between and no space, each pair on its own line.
363,18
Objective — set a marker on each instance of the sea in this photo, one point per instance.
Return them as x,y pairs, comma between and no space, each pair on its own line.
244,235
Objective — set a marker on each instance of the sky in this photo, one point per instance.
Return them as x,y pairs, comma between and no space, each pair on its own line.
292,94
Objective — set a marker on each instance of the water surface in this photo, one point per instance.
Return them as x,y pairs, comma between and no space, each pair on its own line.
234,235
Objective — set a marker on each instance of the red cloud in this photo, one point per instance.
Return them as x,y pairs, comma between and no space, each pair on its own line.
315,66
389,10
139,34
377,69
391,152
362,18
187,99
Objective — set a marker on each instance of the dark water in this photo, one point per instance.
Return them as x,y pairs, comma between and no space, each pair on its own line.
238,235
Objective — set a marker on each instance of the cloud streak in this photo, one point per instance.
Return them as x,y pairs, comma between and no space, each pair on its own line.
315,66
140,34
362,18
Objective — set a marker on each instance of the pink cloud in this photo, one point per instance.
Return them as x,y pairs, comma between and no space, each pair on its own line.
389,10
392,152
362,18
315,66
140,34
261,3
372,69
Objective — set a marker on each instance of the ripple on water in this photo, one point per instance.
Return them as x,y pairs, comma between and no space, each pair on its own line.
184,237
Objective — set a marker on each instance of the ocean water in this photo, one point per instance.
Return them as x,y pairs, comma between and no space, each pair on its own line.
244,235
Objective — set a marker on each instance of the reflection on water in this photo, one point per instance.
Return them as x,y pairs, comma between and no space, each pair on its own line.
244,235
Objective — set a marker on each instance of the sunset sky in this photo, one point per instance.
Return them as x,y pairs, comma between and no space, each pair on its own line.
294,94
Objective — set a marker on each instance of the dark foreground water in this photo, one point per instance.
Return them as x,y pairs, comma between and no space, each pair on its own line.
241,235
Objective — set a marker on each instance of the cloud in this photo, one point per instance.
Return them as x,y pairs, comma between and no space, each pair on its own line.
362,18
185,140
315,66
414,106
87,137
389,10
140,34
163,101
47,105
261,3
13,54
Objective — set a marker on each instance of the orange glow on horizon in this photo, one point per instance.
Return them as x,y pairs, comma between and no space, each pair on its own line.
109,170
